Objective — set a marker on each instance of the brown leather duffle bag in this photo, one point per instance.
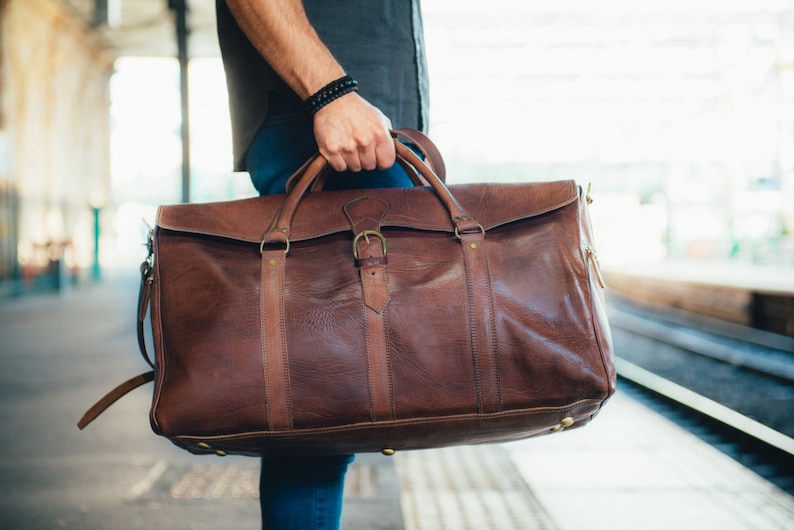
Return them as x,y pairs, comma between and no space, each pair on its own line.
330,322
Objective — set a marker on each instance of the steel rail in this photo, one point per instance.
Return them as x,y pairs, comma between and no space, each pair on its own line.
705,406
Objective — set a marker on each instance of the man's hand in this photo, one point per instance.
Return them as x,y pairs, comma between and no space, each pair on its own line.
354,135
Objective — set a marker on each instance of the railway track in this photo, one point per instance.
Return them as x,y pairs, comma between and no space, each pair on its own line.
733,386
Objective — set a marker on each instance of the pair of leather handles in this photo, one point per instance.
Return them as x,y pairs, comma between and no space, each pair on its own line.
430,172
421,143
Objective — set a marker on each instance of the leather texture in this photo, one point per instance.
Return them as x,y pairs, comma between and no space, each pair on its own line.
333,322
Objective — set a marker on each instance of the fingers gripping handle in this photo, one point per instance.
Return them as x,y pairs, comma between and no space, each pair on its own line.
417,139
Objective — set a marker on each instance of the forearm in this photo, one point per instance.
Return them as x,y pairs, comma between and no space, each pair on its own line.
350,133
283,35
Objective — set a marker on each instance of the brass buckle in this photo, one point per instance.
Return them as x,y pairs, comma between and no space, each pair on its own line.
365,234
457,232
263,243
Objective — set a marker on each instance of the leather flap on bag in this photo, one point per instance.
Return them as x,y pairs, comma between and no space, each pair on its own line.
491,205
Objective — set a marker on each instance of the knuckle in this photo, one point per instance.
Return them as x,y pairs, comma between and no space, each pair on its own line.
381,135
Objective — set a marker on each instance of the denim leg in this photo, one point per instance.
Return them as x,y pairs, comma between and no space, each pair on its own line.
279,150
302,493
276,152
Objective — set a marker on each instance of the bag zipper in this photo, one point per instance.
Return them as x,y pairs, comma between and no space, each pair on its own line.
592,257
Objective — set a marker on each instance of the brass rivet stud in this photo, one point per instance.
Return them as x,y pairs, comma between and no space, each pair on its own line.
204,445
567,421
388,452
557,428
474,245
220,453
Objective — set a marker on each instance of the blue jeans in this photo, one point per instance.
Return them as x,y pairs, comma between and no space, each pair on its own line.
303,493
278,150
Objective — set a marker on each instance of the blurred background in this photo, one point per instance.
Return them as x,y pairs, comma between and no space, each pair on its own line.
680,114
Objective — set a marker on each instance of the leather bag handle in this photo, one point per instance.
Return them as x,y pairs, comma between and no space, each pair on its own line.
278,233
421,142
426,147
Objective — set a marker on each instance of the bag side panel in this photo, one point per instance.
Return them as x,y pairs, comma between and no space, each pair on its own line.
205,316
548,352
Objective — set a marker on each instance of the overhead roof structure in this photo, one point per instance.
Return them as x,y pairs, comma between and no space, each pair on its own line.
156,28
146,28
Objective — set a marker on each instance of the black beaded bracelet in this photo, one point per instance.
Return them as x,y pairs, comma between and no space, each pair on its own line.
330,92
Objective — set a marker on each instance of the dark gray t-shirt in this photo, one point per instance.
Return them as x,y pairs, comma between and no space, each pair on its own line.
378,42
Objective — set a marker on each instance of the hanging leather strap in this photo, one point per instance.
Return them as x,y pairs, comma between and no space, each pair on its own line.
113,396
144,295
126,387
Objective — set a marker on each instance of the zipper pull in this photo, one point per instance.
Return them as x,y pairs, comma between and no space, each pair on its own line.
593,257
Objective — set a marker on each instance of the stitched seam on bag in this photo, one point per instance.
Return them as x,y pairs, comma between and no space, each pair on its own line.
494,341
284,350
392,224
402,423
473,331
386,224
449,228
389,371
263,342
368,353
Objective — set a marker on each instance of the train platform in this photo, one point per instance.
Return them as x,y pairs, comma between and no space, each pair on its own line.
759,296
629,469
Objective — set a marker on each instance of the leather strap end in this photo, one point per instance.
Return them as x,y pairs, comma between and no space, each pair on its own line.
113,396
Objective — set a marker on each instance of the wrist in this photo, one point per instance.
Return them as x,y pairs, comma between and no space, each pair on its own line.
330,92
